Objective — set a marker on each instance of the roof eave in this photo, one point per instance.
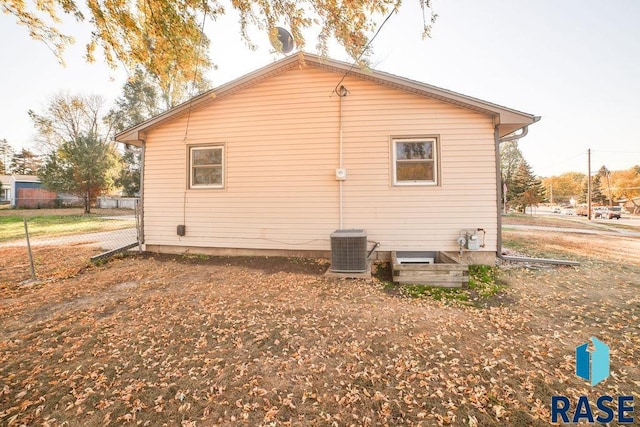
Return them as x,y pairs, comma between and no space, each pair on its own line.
506,119
509,124
502,115
135,135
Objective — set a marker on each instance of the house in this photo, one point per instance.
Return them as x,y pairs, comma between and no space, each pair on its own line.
26,191
5,189
276,161
631,205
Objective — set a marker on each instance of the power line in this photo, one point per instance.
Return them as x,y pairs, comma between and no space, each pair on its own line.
582,153
195,70
616,152
395,9
193,85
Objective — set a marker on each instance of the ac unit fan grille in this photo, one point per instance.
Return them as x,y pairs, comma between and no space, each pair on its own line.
349,251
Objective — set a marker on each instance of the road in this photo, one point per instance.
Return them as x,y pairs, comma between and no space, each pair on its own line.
606,227
626,219
605,231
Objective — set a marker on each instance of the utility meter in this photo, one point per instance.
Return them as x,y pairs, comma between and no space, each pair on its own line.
473,242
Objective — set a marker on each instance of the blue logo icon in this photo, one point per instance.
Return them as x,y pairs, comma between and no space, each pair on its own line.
593,365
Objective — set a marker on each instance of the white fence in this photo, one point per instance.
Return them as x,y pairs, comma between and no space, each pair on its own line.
116,202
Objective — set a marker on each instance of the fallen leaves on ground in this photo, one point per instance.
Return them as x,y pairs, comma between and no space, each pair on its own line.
171,340
50,263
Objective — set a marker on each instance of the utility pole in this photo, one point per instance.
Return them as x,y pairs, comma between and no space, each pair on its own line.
589,184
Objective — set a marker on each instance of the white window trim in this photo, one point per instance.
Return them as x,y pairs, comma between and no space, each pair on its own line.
436,172
190,171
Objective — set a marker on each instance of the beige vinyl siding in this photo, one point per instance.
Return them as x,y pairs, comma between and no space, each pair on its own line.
281,151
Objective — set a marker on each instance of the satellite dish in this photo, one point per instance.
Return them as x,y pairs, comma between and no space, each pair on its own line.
285,38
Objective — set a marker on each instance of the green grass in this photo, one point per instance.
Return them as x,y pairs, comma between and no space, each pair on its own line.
483,284
438,294
196,256
483,279
12,227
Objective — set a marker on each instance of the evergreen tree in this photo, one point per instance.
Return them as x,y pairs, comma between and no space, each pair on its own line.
139,101
25,162
510,160
527,190
597,196
129,178
582,198
6,153
606,175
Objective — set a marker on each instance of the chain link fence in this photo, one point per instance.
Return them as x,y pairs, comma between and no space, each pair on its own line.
55,243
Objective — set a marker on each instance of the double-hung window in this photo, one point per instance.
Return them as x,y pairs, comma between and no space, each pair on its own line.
206,167
415,161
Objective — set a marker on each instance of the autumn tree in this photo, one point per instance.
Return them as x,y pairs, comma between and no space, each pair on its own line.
563,187
84,166
626,185
66,117
25,162
166,37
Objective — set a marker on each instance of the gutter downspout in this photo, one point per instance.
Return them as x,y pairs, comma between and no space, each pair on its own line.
499,254
141,203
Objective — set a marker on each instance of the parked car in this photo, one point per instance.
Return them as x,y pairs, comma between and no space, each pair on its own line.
597,211
582,209
556,210
612,212
568,211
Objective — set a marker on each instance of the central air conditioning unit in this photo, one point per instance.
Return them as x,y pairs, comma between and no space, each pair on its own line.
349,251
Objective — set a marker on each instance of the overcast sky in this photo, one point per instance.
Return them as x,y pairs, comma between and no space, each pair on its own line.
575,63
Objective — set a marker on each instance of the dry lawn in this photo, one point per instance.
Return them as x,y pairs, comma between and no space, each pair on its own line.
589,249
551,221
51,262
5,211
188,340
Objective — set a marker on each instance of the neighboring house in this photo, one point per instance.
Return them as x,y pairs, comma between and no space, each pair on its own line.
630,205
26,191
275,161
5,189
